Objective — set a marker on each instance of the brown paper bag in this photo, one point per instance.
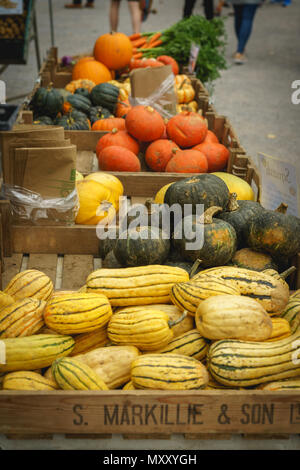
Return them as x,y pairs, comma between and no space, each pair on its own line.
154,87
44,191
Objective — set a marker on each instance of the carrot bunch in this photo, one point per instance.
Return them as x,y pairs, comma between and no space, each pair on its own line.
144,41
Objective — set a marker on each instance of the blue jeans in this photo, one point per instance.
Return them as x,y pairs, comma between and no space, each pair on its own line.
243,20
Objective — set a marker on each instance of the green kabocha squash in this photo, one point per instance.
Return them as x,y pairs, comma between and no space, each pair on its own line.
106,95
47,101
274,232
98,112
180,264
64,93
205,189
209,239
238,214
142,246
80,103
43,121
148,213
73,121
82,92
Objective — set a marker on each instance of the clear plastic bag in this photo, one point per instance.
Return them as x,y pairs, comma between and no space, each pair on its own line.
28,206
159,98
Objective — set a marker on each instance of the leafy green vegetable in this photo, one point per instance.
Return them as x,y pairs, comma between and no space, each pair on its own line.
210,35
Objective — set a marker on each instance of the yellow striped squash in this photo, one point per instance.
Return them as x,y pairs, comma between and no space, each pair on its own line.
188,295
5,299
30,283
296,294
77,313
146,329
214,385
271,292
22,318
129,386
287,384
281,329
234,317
190,344
88,341
34,352
168,372
291,312
247,363
27,380
142,285
111,363
71,374
174,313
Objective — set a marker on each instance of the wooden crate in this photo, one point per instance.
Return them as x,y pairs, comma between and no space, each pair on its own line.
138,414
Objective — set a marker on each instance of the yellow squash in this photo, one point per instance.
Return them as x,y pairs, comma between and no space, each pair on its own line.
22,318
30,283
71,374
27,380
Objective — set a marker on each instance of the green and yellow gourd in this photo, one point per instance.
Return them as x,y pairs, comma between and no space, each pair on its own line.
77,313
270,292
146,329
168,372
22,318
27,380
291,312
190,344
188,295
248,363
35,352
281,329
142,285
71,374
5,299
30,283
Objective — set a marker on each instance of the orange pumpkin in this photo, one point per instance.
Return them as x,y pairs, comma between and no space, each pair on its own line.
187,129
116,158
159,153
217,155
187,161
114,50
211,137
144,123
117,137
122,108
91,70
109,124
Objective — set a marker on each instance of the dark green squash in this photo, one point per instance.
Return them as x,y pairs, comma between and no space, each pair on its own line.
106,95
274,232
73,121
47,101
238,214
205,189
142,246
110,261
98,112
255,260
80,103
82,92
150,213
107,244
43,121
214,239
64,93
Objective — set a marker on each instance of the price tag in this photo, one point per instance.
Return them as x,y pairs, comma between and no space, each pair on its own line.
194,52
11,7
279,183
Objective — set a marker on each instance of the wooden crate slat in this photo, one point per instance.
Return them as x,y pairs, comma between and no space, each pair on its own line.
75,271
206,436
88,436
25,437
44,262
11,268
160,435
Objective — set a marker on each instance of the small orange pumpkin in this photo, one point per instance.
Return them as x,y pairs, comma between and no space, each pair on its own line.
187,129
187,161
109,124
159,153
91,70
144,123
217,155
117,137
122,108
114,50
116,158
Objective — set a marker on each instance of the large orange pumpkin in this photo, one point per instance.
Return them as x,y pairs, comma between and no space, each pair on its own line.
144,123
91,70
114,50
217,155
187,129
159,153
117,137
116,158
109,124
187,161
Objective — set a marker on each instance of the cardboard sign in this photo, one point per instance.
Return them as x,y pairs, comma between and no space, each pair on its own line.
279,183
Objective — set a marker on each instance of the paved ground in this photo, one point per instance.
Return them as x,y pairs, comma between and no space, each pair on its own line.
256,97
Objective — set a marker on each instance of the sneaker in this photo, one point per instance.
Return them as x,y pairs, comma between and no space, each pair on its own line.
73,5
239,58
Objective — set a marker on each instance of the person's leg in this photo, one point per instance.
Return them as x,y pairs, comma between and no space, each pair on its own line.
209,9
114,14
238,15
246,26
188,8
136,16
